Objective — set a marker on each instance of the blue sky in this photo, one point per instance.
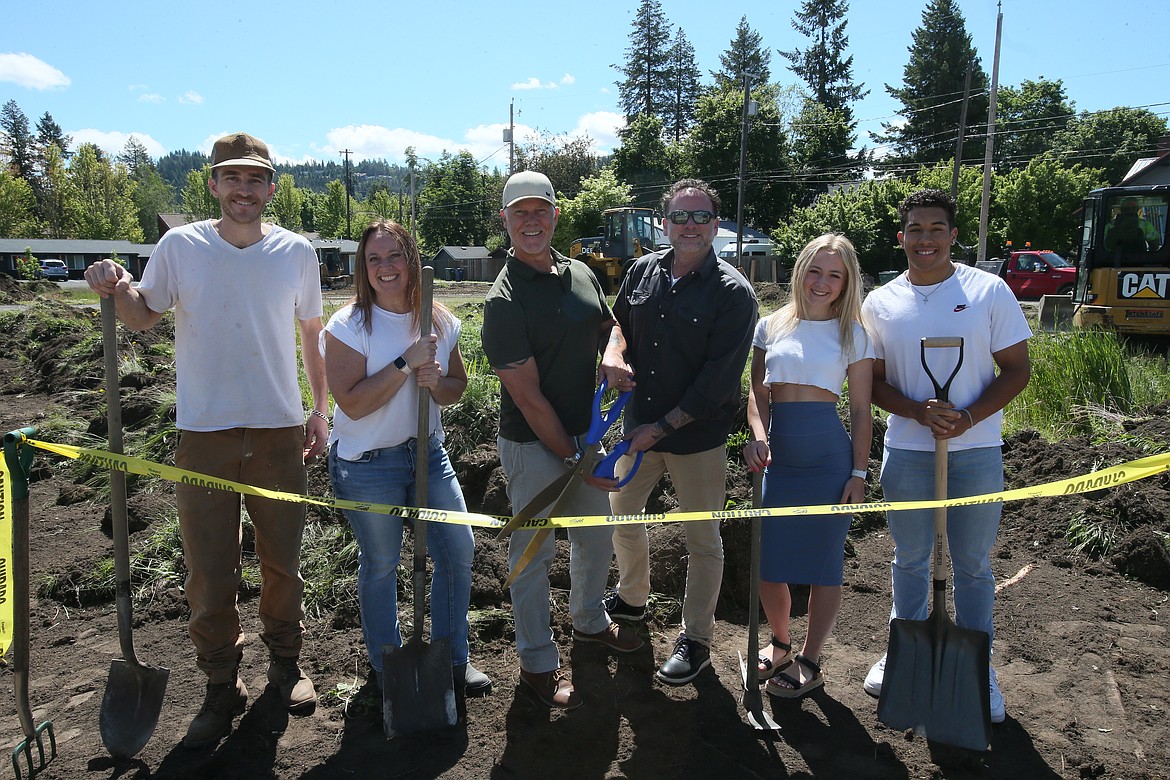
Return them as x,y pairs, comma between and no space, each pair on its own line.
373,76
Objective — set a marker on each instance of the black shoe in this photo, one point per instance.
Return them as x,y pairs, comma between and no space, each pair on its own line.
688,659
612,603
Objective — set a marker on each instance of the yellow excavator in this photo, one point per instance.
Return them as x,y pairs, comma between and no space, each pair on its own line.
627,233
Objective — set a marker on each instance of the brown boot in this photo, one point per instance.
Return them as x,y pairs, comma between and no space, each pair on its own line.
296,689
214,722
552,689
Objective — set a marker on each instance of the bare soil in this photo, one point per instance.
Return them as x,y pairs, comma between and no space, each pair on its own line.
1081,646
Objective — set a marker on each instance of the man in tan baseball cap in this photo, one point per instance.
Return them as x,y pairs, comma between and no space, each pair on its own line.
241,149
240,416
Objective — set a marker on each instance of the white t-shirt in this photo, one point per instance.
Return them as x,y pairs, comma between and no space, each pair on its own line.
235,345
391,334
811,354
973,304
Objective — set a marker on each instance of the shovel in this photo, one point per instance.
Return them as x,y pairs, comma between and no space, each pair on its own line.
936,679
753,702
418,692
134,692
18,459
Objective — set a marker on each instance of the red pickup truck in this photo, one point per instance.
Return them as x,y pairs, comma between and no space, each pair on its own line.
1034,273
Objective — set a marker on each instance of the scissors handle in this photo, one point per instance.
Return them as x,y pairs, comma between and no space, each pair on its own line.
607,466
603,419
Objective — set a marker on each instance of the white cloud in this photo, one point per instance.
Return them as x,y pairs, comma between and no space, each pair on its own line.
191,97
26,70
151,97
114,141
602,127
534,83
568,79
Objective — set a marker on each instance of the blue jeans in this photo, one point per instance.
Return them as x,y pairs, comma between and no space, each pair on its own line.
908,475
530,466
386,476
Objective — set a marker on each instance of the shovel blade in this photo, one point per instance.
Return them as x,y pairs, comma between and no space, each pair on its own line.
936,682
130,707
418,693
753,700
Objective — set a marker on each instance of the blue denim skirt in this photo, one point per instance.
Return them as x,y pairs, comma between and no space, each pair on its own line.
812,457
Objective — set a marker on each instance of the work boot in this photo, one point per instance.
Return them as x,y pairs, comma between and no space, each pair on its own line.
214,722
296,689
472,681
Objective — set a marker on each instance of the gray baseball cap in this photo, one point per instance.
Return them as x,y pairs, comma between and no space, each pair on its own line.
528,184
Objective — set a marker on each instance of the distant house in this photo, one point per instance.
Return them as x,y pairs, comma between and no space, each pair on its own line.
168,221
471,263
1150,170
76,254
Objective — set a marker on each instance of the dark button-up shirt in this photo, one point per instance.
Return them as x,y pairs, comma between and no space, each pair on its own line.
688,345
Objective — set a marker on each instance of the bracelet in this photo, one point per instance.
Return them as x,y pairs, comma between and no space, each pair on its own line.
665,427
318,413
860,473
969,417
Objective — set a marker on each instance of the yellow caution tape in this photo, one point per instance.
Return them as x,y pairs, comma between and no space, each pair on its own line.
1097,480
6,583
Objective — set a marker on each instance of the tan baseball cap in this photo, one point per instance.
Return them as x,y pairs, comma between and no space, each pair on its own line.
241,149
528,184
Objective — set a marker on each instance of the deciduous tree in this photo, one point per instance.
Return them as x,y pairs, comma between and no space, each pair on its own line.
197,200
565,160
17,207
1028,117
452,204
103,207
287,203
581,215
1040,203
644,160
1111,140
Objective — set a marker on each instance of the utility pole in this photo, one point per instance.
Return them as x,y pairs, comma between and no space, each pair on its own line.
413,219
348,191
984,205
509,135
962,131
749,109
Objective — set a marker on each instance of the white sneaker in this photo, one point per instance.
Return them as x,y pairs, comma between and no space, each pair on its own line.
998,711
873,680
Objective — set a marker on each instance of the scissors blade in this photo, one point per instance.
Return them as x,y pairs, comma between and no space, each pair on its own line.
586,465
551,492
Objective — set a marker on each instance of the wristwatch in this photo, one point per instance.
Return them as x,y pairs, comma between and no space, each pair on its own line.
572,461
401,364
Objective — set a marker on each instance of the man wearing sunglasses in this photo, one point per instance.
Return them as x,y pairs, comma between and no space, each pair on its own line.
686,322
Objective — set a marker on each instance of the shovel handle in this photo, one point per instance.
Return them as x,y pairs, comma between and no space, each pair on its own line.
119,525
422,460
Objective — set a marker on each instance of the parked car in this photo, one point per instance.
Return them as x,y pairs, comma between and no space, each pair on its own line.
1034,274
54,270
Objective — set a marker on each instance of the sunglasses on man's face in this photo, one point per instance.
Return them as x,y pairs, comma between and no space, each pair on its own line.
681,217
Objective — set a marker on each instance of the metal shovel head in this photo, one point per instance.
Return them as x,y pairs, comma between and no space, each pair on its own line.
131,706
418,692
936,681
753,700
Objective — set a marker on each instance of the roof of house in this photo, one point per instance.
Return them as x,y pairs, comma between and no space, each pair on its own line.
74,246
464,252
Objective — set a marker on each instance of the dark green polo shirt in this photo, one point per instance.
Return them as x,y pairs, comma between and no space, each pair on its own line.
557,319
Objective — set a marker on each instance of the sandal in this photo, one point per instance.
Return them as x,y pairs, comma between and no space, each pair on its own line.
785,686
769,668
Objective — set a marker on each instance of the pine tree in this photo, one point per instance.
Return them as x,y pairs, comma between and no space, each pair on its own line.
744,55
932,95
49,132
18,142
646,88
152,195
821,66
684,85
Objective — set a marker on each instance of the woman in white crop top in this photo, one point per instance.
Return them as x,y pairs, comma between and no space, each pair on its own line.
801,357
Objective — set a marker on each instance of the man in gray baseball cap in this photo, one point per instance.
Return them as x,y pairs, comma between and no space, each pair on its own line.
544,321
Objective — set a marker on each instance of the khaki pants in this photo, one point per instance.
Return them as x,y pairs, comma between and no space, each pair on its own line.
700,483
209,521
